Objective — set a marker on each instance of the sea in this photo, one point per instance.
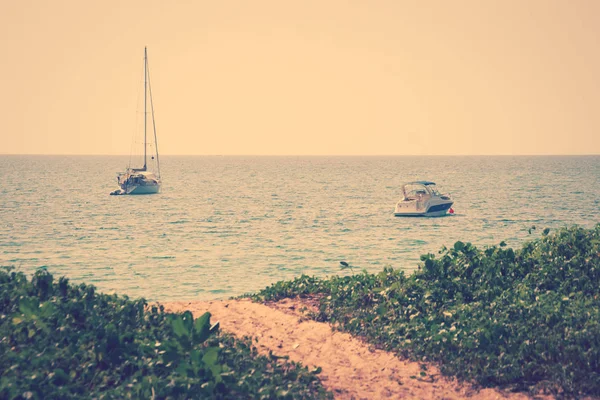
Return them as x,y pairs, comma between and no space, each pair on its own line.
224,226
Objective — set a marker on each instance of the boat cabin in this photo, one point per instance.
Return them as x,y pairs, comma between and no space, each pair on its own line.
419,190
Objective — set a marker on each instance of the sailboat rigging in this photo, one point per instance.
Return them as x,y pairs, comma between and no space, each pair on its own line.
143,180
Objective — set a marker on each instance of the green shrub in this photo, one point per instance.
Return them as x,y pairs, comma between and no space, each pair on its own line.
61,341
527,319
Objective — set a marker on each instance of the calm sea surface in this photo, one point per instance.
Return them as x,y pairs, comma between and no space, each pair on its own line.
224,226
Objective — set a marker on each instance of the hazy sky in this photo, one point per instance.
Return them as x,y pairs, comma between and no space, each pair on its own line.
303,77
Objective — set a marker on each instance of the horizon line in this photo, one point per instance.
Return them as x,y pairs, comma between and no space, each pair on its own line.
311,155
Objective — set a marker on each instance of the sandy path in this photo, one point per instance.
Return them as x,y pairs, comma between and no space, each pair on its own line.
350,369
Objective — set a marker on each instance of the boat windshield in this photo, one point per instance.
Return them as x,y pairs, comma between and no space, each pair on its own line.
412,191
434,190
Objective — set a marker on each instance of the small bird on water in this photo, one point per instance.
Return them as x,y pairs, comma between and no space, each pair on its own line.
344,263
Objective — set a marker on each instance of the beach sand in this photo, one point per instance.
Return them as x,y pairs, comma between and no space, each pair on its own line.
351,368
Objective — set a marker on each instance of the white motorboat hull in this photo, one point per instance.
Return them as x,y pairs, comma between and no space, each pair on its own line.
423,214
431,208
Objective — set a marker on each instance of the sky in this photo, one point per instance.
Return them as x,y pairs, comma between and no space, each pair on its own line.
312,77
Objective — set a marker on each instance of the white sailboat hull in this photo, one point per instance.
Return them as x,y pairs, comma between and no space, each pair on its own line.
139,182
144,189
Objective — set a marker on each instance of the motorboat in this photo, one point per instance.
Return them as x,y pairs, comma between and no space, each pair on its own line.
144,180
422,199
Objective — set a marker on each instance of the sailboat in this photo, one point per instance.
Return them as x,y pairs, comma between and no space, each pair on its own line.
144,180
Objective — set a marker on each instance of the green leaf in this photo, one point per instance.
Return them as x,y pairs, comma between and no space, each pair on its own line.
41,325
211,356
381,310
195,357
179,327
188,320
216,371
47,309
458,246
429,263
202,328
60,377
28,306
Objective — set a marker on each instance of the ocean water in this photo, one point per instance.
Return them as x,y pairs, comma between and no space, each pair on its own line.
224,226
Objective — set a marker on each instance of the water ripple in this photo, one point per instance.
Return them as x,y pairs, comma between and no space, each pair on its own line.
237,224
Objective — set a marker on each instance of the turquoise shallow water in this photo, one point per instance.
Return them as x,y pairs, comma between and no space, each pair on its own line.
223,226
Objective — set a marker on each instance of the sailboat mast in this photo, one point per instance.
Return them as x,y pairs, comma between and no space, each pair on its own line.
145,93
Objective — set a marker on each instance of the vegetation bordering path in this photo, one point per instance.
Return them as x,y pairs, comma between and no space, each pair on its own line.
528,319
64,341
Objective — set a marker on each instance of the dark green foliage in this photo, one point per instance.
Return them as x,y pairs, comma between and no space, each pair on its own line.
527,319
61,341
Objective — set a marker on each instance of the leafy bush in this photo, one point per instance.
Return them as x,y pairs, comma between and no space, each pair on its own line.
61,341
527,319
